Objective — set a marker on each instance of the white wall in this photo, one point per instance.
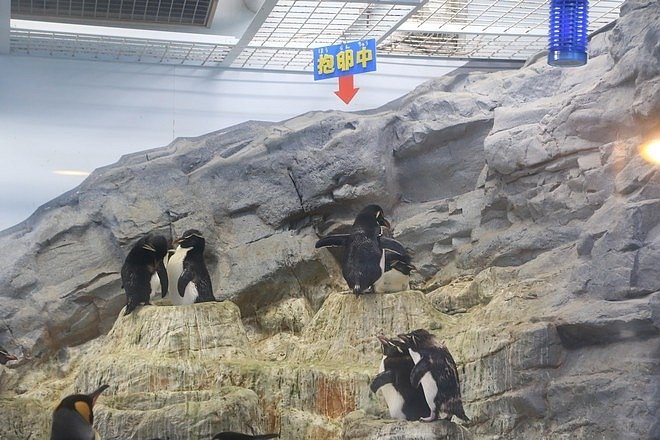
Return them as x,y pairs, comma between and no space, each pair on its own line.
73,114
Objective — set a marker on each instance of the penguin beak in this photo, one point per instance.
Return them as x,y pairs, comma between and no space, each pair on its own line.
95,395
383,340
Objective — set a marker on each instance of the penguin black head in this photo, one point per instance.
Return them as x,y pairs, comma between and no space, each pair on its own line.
392,347
83,404
370,214
158,245
192,238
419,338
6,357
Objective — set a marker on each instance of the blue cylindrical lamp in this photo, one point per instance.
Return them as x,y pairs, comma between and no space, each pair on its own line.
567,33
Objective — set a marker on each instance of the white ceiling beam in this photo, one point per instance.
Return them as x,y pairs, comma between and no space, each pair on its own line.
119,32
256,23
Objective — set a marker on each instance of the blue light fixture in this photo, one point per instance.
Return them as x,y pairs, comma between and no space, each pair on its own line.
567,33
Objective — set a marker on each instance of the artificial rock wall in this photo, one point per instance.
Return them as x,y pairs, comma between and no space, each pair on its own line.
533,221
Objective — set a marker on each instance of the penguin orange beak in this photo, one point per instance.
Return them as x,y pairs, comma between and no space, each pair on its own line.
95,395
383,340
10,357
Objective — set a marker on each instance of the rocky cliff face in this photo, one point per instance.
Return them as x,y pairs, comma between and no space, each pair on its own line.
533,222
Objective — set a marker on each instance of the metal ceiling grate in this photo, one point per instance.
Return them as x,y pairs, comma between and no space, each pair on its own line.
307,24
505,29
180,12
284,32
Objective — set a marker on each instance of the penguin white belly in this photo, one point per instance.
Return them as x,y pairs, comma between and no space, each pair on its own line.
428,383
393,399
174,271
190,294
430,388
392,281
155,287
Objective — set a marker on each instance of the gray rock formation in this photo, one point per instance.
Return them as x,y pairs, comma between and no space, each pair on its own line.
533,221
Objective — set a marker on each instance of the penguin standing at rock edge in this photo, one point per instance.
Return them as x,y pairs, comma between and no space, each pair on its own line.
436,371
144,262
188,276
73,419
365,250
404,401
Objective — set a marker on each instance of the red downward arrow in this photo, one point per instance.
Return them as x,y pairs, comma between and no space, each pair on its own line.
346,90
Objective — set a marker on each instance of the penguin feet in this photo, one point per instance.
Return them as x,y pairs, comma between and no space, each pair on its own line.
433,416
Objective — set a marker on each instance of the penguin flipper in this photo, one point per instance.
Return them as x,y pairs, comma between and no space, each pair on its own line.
333,240
162,276
381,379
394,246
419,370
398,262
186,276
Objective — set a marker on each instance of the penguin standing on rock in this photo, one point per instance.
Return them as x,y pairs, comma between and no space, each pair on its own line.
144,262
436,371
238,436
5,356
187,271
73,418
366,251
404,401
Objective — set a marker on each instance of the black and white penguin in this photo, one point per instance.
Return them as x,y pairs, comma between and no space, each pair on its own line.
366,251
404,401
144,264
436,371
73,418
398,266
238,436
188,276
5,356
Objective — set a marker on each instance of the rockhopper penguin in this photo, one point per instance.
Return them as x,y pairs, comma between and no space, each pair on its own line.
73,418
144,263
404,401
186,270
366,251
436,371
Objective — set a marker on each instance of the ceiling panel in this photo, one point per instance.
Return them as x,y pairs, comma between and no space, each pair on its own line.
180,12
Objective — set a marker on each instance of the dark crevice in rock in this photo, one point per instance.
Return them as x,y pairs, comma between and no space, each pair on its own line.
83,286
578,335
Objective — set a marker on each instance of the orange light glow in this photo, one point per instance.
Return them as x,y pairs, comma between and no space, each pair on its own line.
650,151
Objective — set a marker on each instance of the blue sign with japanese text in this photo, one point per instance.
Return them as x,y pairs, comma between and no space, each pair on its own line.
344,59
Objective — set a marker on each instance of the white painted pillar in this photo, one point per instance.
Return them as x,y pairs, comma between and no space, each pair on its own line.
5,15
